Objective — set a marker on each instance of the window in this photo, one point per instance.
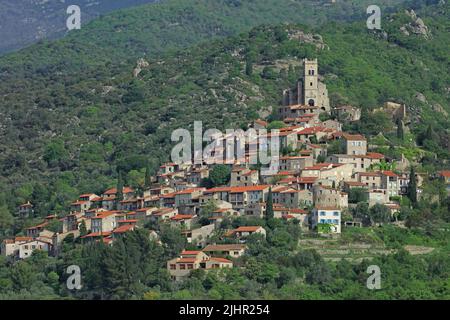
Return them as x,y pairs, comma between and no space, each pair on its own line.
182,266
322,213
190,266
336,213
172,267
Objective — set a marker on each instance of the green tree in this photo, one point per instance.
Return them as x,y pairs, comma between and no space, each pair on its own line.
249,66
412,187
362,212
83,229
119,196
209,208
357,195
269,206
148,176
379,213
400,130
55,151
276,125
54,225
220,175
6,220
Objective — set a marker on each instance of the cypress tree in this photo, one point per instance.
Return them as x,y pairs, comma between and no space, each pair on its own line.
148,177
400,130
269,206
119,195
412,187
83,229
249,67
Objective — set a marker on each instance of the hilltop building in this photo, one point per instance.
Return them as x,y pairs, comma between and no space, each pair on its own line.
309,90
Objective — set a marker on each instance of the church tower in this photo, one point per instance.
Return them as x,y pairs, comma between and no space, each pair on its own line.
311,82
309,90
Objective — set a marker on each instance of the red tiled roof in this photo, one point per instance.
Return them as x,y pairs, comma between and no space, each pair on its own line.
124,228
168,195
218,189
389,174
104,214
182,217
261,122
313,130
298,211
190,252
38,226
353,137
248,188
374,155
22,238
114,190
86,195
247,229
445,173
220,260
189,191
97,234
224,247
76,203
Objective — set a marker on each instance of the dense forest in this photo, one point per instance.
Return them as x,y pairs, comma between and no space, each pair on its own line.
273,268
73,113
25,22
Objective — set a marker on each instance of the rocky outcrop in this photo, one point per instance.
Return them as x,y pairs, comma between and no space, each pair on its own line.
416,26
141,64
315,39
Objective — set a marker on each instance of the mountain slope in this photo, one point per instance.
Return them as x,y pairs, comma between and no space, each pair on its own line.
171,23
67,124
27,21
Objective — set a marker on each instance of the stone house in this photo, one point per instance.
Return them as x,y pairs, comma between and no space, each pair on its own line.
223,250
354,144
329,216
180,268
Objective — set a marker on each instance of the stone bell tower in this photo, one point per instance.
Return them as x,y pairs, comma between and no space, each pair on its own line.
309,91
311,82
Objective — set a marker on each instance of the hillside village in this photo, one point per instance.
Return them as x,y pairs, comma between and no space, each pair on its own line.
312,187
